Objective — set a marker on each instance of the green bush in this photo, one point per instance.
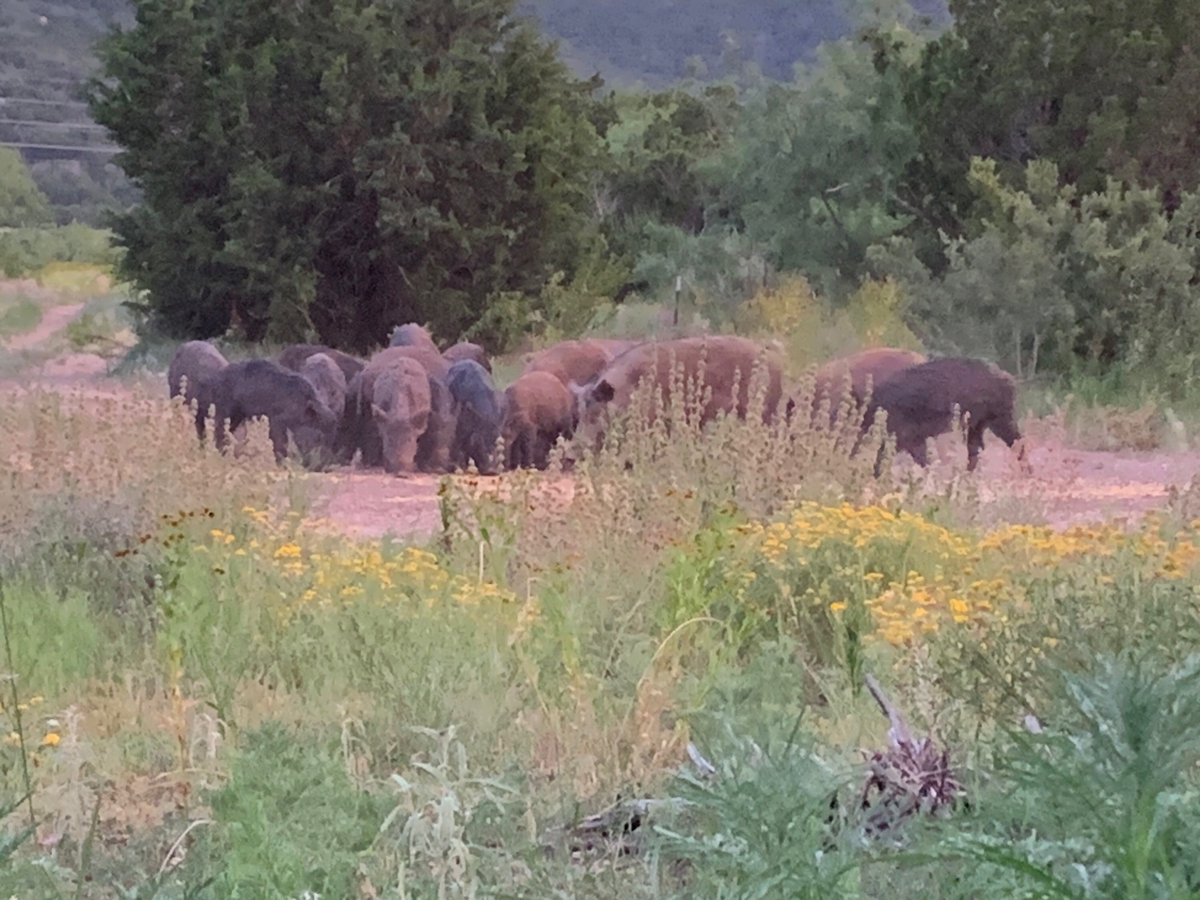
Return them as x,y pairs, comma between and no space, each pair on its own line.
21,314
765,826
1060,282
55,643
21,203
24,251
1102,804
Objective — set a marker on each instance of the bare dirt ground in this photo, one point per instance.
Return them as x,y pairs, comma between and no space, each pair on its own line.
1066,486
54,320
371,504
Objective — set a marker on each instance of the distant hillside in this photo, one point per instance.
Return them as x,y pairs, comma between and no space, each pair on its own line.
651,40
45,41
658,41
45,55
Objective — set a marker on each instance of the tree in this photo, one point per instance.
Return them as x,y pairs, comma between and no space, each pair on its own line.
1102,88
21,203
656,147
813,166
333,167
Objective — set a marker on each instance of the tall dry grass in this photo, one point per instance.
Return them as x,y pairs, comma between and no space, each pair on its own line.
124,448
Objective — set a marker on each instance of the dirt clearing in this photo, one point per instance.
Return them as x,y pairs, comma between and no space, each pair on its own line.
1067,486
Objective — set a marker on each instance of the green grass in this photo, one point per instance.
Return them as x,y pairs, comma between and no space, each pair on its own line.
18,314
357,718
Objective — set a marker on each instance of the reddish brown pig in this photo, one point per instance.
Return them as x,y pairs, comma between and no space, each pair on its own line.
467,350
571,362
614,347
411,335
428,356
539,409
862,373
727,361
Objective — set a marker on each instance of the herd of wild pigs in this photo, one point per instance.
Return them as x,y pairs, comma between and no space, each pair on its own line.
414,407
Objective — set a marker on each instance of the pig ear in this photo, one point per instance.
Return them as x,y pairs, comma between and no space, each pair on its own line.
603,392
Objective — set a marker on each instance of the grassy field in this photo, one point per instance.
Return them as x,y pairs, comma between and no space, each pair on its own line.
644,679
217,695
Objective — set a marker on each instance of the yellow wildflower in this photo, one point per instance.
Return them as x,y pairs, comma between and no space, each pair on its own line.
959,609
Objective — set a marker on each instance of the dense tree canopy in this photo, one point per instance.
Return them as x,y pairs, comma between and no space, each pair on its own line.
814,164
1102,88
331,168
21,203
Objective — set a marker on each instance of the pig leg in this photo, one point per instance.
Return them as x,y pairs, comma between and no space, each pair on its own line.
974,445
279,439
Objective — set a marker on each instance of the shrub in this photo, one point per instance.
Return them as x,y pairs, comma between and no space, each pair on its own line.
765,825
129,448
998,610
24,251
1101,804
19,314
1054,281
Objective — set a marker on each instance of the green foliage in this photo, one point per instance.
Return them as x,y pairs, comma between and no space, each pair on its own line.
656,147
21,203
721,268
442,815
55,641
1057,280
1103,804
17,874
208,620
336,170
1103,89
288,822
764,825
87,191
1072,615
19,314
24,251
813,166
101,326
562,308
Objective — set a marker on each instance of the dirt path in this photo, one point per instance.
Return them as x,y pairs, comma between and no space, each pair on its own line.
372,504
1067,487
54,320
